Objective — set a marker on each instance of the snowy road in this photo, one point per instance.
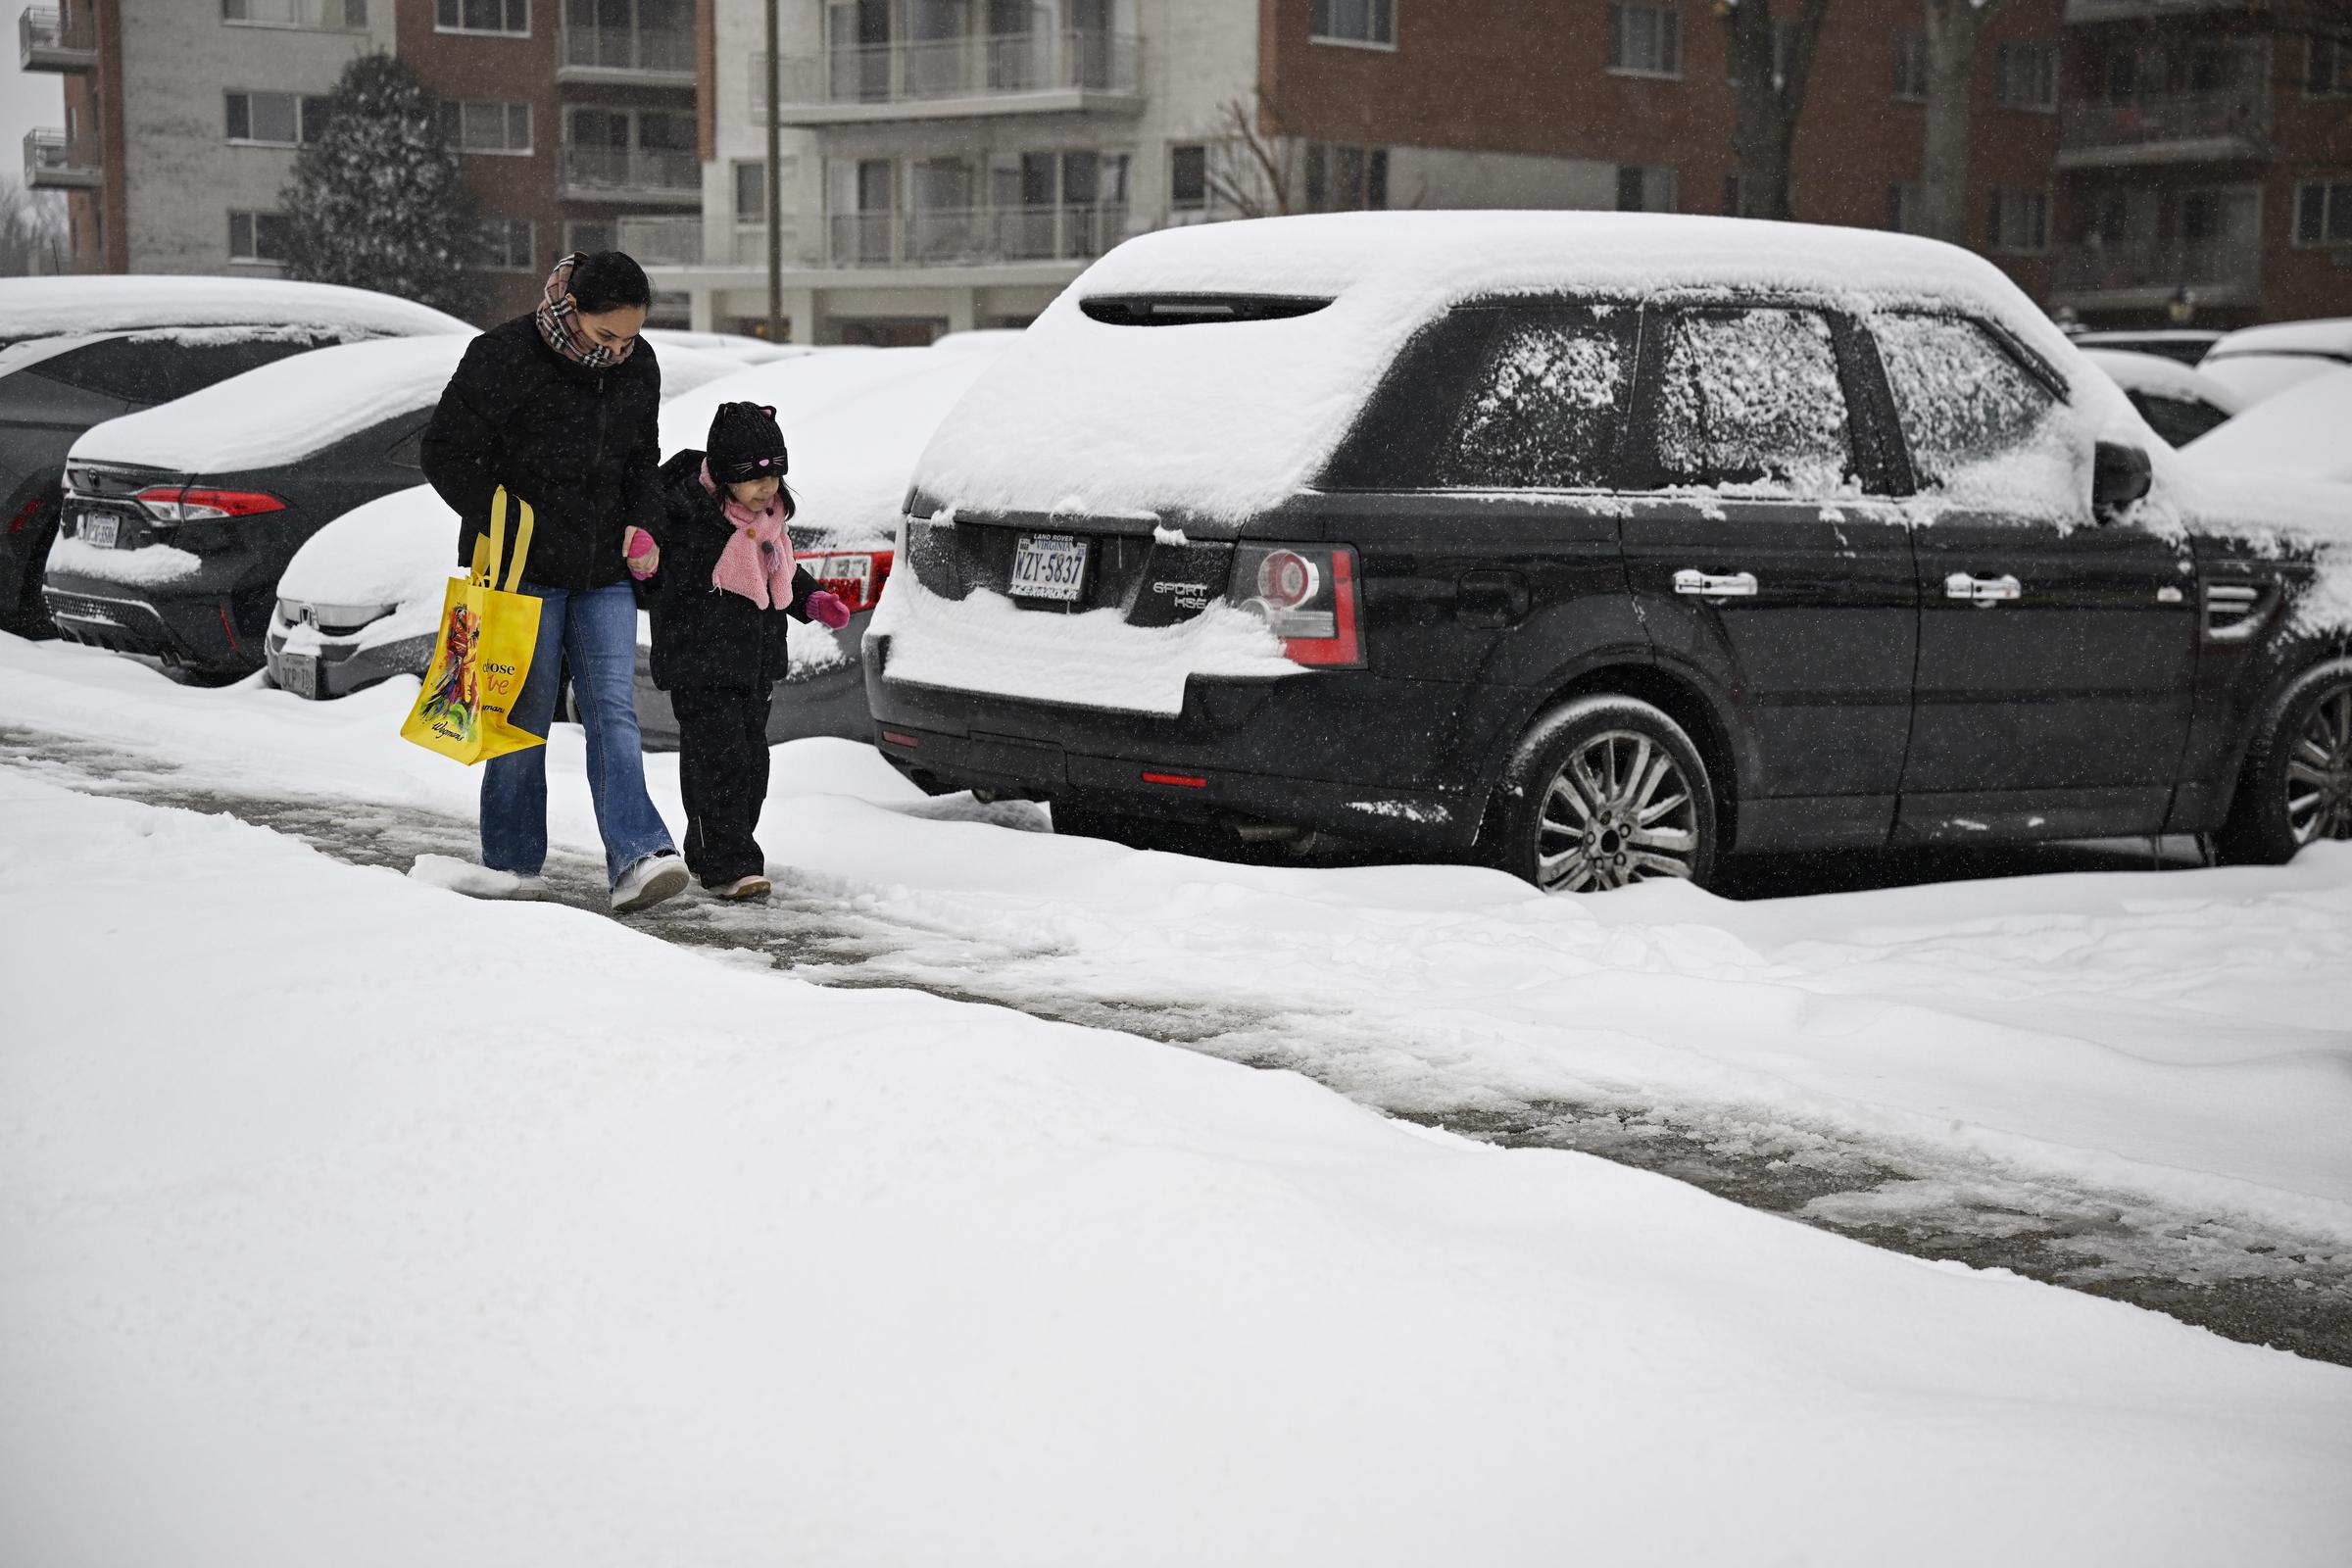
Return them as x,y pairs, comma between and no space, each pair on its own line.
1424,998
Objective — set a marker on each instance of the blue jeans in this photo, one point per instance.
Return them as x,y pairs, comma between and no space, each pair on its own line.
597,630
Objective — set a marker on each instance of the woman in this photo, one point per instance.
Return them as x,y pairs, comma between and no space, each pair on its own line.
559,407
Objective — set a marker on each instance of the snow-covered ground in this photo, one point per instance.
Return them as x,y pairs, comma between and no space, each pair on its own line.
343,1219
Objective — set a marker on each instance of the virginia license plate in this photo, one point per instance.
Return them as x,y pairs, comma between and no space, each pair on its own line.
1049,566
299,674
100,528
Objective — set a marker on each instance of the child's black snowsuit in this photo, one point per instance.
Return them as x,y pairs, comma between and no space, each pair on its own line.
719,656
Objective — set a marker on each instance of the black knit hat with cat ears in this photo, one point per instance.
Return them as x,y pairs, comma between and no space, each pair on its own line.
746,444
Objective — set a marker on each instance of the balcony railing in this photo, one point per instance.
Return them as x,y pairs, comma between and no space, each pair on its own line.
1007,65
2165,124
49,40
681,242
633,170
2094,10
973,236
55,162
2210,268
628,52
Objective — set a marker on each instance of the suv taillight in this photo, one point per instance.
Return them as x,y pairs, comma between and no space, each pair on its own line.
855,575
1306,595
169,504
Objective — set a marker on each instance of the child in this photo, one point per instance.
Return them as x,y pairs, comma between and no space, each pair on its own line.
721,581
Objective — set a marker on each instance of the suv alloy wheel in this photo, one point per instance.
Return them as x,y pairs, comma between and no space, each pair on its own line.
1603,791
2296,788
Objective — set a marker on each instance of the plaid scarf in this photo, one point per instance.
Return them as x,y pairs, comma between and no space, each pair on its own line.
559,322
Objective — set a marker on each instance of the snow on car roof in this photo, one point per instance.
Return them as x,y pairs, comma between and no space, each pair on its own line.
31,307
2299,434
283,410
1217,420
2330,338
2158,376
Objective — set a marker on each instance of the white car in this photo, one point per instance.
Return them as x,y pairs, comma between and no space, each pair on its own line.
2180,404
2305,432
2261,362
364,596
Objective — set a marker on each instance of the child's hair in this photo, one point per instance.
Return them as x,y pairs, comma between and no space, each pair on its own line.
783,493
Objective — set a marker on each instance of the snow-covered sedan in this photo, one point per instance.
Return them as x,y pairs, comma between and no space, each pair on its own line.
1600,546
2261,362
180,519
360,601
2180,404
77,351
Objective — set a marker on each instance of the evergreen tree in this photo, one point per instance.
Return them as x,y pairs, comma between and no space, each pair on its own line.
375,200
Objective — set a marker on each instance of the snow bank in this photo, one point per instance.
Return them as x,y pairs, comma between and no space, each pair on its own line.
35,306
1216,421
570,1275
2305,432
986,642
283,410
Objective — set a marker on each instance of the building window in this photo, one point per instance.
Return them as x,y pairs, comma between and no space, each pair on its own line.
2323,213
590,235
1188,177
509,17
1341,179
1368,23
276,119
318,15
2029,77
2020,222
257,238
1902,208
1911,67
2327,67
480,126
1645,40
506,246
1651,187
750,190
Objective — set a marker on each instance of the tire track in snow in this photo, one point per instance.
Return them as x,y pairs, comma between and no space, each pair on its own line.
2243,1281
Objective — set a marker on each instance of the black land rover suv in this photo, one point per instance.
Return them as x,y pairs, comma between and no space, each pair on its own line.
1599,579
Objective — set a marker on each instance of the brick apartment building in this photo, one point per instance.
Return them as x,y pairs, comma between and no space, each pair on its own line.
956,162
183,117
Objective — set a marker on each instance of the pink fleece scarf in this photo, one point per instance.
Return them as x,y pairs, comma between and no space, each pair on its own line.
758,559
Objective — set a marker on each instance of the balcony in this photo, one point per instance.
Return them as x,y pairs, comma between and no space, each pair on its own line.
1011,73
52,162
681,242
973,236
2177,127
627,57
49,40
629,173
2215,272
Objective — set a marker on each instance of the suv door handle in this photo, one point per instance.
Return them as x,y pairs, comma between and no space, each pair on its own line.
1731,585
1984,591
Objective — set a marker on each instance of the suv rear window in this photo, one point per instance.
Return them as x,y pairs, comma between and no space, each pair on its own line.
1544,408
1751,397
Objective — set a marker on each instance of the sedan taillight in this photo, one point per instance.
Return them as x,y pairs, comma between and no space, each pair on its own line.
167,504
1306,595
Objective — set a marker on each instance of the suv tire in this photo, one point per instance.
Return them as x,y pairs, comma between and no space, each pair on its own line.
1603,791
2297,785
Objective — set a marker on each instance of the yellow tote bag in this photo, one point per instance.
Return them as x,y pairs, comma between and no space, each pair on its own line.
484,654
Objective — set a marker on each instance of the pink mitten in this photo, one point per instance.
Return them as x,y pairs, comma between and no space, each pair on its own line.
643,555
828,607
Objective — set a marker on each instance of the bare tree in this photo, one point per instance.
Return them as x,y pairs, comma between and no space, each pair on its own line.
1768,92
1249,170
1953,28
32,231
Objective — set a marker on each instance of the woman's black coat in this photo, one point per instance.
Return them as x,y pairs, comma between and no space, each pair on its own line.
583,446
705,637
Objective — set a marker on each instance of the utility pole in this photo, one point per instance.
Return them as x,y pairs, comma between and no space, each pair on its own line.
776,190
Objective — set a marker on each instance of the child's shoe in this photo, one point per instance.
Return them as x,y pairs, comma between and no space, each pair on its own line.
660,875
743,887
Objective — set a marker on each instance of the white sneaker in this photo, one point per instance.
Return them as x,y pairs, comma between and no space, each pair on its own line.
660,875
744,887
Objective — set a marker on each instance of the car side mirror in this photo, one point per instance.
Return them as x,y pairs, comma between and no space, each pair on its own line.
2119,475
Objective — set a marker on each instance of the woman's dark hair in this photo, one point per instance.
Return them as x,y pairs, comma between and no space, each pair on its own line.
609,280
